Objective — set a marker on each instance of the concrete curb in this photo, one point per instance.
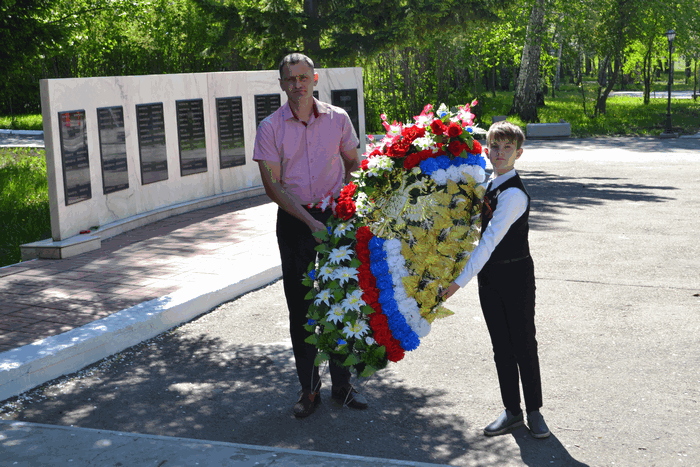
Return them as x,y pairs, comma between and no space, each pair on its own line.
28,443
31,365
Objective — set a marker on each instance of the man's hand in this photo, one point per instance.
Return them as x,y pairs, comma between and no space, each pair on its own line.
449,291
317,226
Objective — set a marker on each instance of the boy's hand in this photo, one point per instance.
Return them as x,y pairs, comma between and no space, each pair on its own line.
449,291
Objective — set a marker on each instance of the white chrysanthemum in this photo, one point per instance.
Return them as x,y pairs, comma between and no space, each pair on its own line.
454,173
439,177
326,272
392,246
362,204
323,296
424,142
353,301
344,274
337,255
357,329
335,314
342,228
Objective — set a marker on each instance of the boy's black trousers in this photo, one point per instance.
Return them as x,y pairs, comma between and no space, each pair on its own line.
507,295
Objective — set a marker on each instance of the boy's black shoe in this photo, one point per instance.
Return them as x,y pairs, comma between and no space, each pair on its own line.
307,403
504,423
535,422
347,395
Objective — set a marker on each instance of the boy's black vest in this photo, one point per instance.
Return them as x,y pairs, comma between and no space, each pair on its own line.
515,245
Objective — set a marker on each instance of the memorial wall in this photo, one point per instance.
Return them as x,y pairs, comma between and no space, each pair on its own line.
118,148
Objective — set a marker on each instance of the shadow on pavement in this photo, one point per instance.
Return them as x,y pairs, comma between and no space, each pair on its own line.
199,387
552,193
538,453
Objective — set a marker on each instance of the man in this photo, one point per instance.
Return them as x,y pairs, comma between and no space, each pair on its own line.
306,151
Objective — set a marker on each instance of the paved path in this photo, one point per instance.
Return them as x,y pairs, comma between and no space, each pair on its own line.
618,320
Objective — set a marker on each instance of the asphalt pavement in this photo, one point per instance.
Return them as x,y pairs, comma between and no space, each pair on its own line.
614,237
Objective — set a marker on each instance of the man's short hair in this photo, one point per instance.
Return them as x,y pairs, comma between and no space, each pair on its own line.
293,59
505,131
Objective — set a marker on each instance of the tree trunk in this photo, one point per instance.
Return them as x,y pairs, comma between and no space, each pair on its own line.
312,44
527,86
601,101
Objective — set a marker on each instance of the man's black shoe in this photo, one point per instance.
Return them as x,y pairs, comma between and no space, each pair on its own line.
347,395
504,423
307,403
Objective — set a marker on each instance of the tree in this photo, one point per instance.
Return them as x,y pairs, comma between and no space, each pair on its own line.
525,98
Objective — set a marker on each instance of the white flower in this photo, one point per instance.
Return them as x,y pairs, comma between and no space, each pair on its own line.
339,254
362,203
335,314
357,329
455,173
424,142
392,246
344,274
323,296
342,228
353,301
439,177
326,272
370,340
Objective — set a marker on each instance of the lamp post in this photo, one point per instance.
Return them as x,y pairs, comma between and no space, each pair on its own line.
670,35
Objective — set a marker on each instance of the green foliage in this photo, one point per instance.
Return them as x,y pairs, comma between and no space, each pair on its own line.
22,122
24,201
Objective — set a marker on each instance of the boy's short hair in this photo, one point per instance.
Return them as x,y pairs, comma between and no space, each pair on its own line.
505,131
293,59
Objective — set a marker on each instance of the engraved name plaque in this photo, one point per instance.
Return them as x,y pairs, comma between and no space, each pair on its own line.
110,123
347,100
152,151
229,115
74,156
190,133
265,104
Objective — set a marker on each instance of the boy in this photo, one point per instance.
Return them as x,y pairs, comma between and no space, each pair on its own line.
506,278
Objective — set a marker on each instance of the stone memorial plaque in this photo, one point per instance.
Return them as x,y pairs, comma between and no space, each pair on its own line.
347,100
152,151
74,156
229,115
110,123
265,104
191,139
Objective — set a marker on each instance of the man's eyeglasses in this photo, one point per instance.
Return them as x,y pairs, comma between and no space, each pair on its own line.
303,79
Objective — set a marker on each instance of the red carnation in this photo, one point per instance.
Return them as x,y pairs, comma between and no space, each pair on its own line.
364,164
399,148
345,209
476,147
411,161
410,133
454,130
456,147
348,191
425,154
438,127
363,234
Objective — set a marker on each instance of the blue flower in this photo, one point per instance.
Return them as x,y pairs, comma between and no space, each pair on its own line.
311,322
312,274
328,229
429,166
443,162
341,342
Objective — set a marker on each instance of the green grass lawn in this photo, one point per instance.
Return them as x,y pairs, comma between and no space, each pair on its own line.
24,201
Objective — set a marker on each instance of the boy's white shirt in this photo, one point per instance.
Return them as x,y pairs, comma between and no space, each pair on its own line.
512,204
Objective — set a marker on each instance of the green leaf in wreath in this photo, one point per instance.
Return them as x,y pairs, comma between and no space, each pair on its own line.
351,360
368,371
320,358
310,294
312,339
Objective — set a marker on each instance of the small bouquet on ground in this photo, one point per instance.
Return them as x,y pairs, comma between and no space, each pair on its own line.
401,232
